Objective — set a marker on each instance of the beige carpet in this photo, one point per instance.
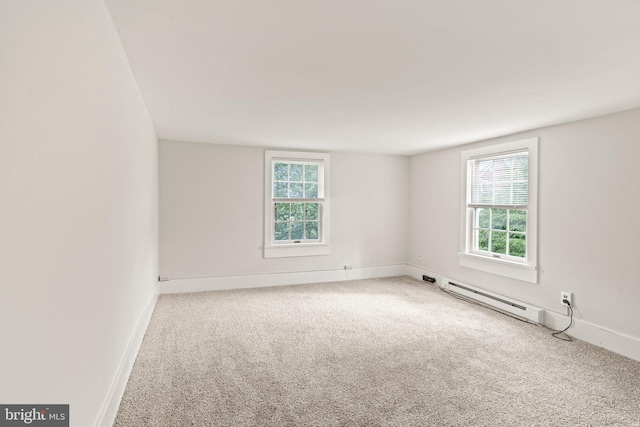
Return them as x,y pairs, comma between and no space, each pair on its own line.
383,352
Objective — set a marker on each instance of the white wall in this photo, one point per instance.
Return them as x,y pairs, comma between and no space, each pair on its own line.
211,212
78,197
589,183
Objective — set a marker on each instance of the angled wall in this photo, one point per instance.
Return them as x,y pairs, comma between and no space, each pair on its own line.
78,197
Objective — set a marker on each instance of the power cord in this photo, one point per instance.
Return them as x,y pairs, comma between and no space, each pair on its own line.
555,334
558,334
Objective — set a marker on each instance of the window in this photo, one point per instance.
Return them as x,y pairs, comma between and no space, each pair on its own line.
296,204
499,209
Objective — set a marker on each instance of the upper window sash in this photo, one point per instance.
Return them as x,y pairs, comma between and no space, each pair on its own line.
297,179
499,180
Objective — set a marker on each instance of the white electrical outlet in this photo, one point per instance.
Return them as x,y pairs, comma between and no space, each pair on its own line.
564,295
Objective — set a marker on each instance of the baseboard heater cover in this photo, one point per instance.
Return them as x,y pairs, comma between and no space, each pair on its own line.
518,308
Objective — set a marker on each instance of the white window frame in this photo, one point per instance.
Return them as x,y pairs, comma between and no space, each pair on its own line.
527,269
274,249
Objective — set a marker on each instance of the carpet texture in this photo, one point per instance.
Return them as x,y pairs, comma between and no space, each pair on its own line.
382,352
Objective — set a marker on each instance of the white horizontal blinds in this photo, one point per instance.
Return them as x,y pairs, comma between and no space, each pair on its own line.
500,181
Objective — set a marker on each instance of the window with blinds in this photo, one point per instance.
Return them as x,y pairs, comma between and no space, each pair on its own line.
499,214
499,203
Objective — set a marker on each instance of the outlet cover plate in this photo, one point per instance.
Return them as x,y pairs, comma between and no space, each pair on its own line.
564,295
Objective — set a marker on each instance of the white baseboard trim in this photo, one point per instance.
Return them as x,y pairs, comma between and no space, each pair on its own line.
614,341
619,343
417,272
217,283
109,409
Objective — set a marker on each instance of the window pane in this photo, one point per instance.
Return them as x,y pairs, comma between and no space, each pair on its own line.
295,172
295,203
517,245
482,218
497,194
280,189
520,193
499,242
295,190
311,173
499,219
500,180
503,193
312,211
502,169
521,167
482,182
311,230
482,193
517,220
297,211
281,172
297,230
483,240
311,191
282,211
282,231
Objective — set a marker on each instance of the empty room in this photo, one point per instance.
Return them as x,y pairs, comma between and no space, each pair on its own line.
319,213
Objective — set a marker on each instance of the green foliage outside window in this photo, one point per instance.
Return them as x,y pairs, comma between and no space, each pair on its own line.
296,220
295,181
501,231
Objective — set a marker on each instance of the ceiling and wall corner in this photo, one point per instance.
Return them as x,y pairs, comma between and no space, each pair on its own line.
385,76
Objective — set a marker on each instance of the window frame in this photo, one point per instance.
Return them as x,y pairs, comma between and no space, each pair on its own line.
509,266
277,249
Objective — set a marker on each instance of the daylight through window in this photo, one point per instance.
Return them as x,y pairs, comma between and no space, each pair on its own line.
296,201
296,204
498,222
499,201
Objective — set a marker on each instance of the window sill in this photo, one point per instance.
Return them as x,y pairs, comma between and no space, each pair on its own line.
515,270
296,249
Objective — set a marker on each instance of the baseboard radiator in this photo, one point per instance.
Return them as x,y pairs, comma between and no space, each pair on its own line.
506,304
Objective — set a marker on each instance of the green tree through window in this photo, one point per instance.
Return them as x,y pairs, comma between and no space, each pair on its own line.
499,196
295,189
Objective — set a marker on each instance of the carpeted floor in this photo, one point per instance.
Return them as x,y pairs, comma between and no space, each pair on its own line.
382,352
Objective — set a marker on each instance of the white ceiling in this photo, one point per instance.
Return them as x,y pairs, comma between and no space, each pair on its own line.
386,76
